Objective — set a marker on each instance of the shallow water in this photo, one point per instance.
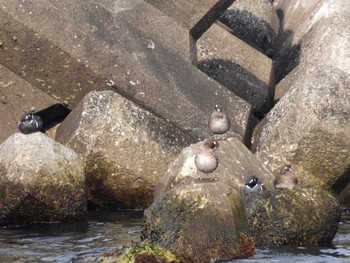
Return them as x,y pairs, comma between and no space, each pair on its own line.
69,241
102,231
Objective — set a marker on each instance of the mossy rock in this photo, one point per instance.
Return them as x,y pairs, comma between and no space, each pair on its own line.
292,217
144,252
148,252
200,221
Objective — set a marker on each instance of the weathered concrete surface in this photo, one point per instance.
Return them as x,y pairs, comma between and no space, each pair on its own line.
199,222
181,217
303,216
255,22
312,33
126,148
16,97
309,127
236,164
326,44
40,181
299,217
197,16
118,44
38,60
237,66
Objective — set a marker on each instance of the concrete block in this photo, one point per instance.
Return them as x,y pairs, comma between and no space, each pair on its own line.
237,66
18,96
312,31
197,16
309,127
100,45
255,22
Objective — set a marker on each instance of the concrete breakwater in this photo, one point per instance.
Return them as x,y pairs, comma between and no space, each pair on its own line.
283,82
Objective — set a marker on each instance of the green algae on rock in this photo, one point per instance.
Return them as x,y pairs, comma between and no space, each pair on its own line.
199,222
292,217
41,181
144,252
126,148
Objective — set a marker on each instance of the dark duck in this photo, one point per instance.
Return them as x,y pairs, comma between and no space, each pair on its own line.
30,123
252,185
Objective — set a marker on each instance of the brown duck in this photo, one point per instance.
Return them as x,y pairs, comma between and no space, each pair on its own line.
206,159
219,122
286,178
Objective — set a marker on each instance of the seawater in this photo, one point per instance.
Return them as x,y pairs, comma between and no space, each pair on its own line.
102,231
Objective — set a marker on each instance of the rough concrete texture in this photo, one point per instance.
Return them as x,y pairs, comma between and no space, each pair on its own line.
236,164
298,217
255,22
16,97
237,66
181,217
183,222
193,15
313,31
126,148
129,46
40,180
326,44
308,128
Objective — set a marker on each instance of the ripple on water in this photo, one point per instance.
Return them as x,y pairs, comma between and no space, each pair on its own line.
64,243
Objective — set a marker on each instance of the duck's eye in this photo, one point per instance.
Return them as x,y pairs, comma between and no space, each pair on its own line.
27,116
218,108
288,168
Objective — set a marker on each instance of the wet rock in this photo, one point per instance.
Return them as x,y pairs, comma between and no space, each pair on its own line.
312,33
297,217
126,148
40,181
255,22
138,252
201,216
237,66
308,128
200,221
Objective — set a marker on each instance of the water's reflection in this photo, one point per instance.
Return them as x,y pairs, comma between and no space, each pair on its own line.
63,242
102,231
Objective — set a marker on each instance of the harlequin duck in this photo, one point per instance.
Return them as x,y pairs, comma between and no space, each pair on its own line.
219,122
286,178
30,123
206,159
252,185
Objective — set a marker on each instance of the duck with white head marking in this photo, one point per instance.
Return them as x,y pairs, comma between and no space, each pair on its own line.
219,122
286,178
252,185
30,123
206,159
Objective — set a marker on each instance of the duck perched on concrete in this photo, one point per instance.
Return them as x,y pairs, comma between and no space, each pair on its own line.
206,159
252,185
219,122
286,178
30,123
